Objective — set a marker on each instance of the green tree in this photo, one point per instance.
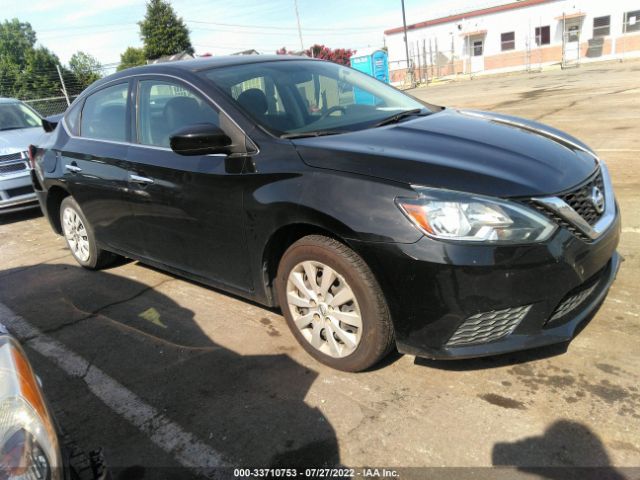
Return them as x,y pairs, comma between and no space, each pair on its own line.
86,69
25,71
16,39
39,77
163,32
132,57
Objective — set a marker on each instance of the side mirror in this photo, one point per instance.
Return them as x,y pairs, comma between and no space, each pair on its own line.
200,139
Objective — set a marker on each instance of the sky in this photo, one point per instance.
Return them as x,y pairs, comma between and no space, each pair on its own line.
106,28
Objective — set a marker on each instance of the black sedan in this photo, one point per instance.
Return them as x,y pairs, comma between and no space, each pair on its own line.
371,219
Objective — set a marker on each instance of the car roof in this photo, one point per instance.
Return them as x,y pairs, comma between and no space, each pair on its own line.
9,100
199,64
206,63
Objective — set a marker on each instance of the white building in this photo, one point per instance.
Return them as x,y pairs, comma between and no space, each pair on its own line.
525,34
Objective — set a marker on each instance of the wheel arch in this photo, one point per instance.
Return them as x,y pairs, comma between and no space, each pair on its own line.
278,243
55,195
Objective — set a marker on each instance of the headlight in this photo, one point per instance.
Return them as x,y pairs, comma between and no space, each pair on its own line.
28,441
449,215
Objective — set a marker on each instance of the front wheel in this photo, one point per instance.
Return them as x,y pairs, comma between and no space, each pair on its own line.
333,304
80,237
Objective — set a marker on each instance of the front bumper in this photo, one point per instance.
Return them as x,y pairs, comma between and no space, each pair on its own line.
460,301
16,193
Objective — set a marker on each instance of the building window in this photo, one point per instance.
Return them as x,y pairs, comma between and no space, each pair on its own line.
631,21
573,33
508,41
543,35
477,48
601,26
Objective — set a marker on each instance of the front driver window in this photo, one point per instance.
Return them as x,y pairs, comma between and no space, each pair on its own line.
165,107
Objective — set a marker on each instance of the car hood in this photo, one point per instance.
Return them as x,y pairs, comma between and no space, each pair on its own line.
463,150
12,141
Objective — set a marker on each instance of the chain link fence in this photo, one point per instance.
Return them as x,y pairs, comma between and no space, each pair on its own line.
48,91
50,106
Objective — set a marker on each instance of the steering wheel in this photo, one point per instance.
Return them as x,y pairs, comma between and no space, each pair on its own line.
330,110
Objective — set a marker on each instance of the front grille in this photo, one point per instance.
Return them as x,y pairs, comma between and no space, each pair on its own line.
16,192
12,167
488,326
580,199
560,221
11,156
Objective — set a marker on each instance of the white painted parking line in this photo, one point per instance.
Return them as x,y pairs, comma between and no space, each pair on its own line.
166,434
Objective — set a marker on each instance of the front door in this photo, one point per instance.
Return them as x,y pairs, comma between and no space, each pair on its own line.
571,43
477,54
188,207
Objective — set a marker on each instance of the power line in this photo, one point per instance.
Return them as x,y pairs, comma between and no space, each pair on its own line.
273,34
64,35
79,27
202,22
272,27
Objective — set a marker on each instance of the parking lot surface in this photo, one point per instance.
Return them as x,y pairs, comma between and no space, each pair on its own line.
163,372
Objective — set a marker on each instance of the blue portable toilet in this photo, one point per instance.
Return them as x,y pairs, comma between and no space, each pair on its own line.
374,62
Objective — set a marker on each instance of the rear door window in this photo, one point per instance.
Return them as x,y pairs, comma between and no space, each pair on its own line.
104,115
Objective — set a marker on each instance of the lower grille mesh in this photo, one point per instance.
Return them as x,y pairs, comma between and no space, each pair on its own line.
16,192
572,303
488,326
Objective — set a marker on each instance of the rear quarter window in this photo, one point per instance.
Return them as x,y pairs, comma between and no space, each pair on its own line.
72,118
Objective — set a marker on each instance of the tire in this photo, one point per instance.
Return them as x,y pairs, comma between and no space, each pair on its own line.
80,238
333,334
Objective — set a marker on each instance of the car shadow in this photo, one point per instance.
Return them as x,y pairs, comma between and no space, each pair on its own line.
249,408
392,357
567,450
14,217
495,361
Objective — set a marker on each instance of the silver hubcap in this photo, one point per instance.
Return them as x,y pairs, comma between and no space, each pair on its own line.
324,308
76,234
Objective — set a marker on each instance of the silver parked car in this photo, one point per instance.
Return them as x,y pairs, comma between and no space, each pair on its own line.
20,126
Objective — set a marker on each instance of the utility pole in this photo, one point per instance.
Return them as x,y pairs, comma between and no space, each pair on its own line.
64,88
424,60
295,3
406,46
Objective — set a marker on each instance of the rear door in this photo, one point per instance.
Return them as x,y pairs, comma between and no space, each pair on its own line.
188,207
94,162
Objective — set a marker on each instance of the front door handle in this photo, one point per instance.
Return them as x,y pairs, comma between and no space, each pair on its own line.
73,168
140,180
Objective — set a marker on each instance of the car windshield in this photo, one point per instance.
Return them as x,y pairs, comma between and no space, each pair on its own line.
16,115
304,97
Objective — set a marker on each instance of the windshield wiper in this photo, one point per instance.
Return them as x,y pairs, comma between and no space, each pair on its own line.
317,133
399,116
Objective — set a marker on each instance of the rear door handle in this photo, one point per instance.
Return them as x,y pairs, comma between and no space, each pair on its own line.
140,180
73,168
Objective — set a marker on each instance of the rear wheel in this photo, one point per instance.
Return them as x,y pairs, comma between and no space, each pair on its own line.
333,304
80,237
